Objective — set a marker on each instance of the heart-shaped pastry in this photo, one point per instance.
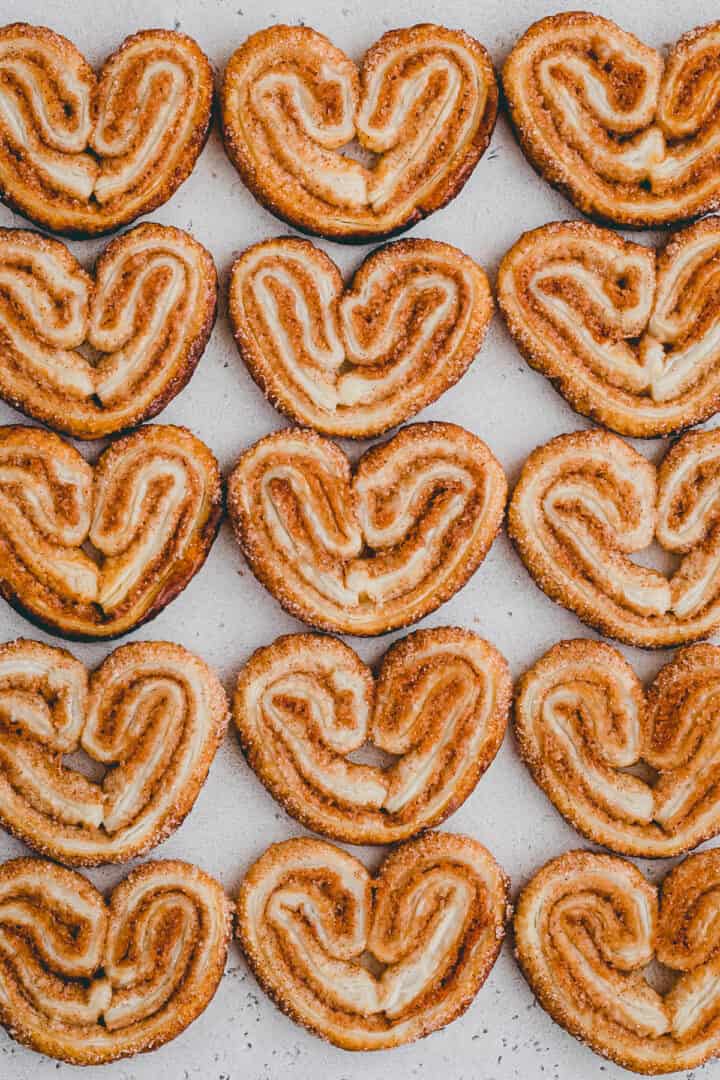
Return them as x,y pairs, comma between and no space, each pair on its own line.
424,101
361,361
89,981
153,714
628,136
94,552
586,501
148,313
83,155
439,706
583,722
586,927
628,337
433,921
366,550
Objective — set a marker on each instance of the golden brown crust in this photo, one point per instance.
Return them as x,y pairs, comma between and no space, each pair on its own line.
628,137
424,101
148,314
88,981
82,155
433,919
584,727
628,337
373,549
150,507
586,501
585,928
439,706
153,714
355,362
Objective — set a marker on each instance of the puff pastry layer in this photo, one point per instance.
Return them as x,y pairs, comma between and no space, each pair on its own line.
424,100
82,154
586,501
148,312
439,706
586,927
152,714
366,550
357,362
89,981
149,508
583,721
628,136
433,920
629,337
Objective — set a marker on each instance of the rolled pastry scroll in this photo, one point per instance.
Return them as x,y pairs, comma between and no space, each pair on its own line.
366,550
439,706
628,136
587,926
89,981
424,101
82,154
433,920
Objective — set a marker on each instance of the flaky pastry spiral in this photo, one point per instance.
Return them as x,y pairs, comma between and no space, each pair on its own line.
357,362
148,313
83,155
366,550
583,721
150,508
628,136
153,714
424,101
433,920
89,981
439,706
586,501
628,337
586,927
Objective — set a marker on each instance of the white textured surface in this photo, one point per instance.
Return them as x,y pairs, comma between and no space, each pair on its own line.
224,613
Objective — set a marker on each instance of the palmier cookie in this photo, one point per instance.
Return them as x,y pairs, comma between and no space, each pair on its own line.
366,550
439,705
360,361
585,928
148,312
582,721
150,508
88,981
433,920
424,101
152,713
586,501
628,136
628,337
81,154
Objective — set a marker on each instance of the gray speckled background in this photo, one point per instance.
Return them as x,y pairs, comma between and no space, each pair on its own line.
224,614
